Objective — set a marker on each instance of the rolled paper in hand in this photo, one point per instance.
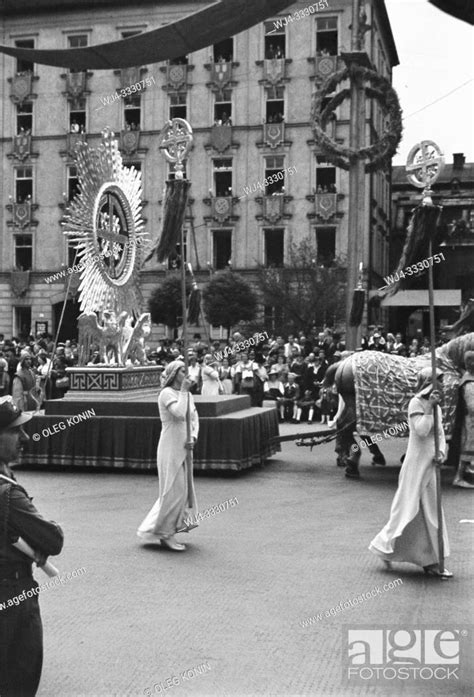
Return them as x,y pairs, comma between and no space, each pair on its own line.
24,547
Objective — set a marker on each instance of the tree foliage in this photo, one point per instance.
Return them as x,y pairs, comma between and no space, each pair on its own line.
164,304
228,300
304,292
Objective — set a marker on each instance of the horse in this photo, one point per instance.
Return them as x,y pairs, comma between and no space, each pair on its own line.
376,388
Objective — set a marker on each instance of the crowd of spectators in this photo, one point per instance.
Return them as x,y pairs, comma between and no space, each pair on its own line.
289,371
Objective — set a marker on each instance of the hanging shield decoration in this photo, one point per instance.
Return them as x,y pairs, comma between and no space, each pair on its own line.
325,205
221,74
22,214
221,208
72,140
274,134
19,282
325,65
176,76
22,146
274,70
129,76
21,87
129,141
272,208
75,85
221,137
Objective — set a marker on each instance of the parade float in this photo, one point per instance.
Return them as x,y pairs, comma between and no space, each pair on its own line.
119,392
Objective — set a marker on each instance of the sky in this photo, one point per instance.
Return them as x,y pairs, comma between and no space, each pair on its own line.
436,53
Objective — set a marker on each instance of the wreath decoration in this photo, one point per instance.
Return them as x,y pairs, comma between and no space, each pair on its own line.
379,154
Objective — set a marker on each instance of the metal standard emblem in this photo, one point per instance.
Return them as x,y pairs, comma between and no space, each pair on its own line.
424,165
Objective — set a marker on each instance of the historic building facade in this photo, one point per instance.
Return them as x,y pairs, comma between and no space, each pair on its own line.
248,100
453,276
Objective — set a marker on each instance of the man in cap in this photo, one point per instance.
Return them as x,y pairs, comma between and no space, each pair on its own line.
21,632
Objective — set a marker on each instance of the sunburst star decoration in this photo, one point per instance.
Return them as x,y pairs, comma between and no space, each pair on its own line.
105,224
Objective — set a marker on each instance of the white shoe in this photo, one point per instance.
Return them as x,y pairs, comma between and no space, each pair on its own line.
149,538
171,543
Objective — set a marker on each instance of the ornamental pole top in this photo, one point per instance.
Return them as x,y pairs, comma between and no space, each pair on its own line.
175,141
425,163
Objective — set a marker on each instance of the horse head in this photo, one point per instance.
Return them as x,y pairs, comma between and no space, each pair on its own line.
453,351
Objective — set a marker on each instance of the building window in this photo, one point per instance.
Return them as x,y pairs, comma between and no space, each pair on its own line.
222,248
325,176
326,36
326,245
23,252
72,182
274,251
78,41
222,175
24,118
273,316
182,60
132,110
274,173
223,109
223,52
23,184
130,32
275,40
275,104
174,260
77,117
22,326
24,66
178,106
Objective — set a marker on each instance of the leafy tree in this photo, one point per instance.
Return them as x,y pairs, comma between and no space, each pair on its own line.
304,291
164,304
228,300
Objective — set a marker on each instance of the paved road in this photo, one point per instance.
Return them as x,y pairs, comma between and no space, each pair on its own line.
232,604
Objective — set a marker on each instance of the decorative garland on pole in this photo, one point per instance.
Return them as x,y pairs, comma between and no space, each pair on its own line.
379,154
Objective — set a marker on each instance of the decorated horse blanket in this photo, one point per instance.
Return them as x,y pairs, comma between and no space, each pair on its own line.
384,385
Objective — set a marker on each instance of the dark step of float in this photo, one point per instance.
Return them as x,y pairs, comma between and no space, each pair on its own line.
138,403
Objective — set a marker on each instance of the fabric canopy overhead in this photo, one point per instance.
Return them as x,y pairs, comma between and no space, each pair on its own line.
213,23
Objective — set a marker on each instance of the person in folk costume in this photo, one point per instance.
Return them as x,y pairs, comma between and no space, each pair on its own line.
246,374
273,388
305,405
411,532
466,393
23,382
177,500
211,385
291,396
225,376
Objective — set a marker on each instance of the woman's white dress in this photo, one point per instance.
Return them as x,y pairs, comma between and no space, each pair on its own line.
411,532
177,499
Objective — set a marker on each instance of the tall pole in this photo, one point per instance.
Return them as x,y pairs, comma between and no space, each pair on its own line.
356,184
435,413
424,164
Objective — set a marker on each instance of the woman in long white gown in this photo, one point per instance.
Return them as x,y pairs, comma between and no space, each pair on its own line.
177,500
411,532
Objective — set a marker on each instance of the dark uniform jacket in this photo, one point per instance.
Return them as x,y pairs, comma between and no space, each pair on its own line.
23,520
